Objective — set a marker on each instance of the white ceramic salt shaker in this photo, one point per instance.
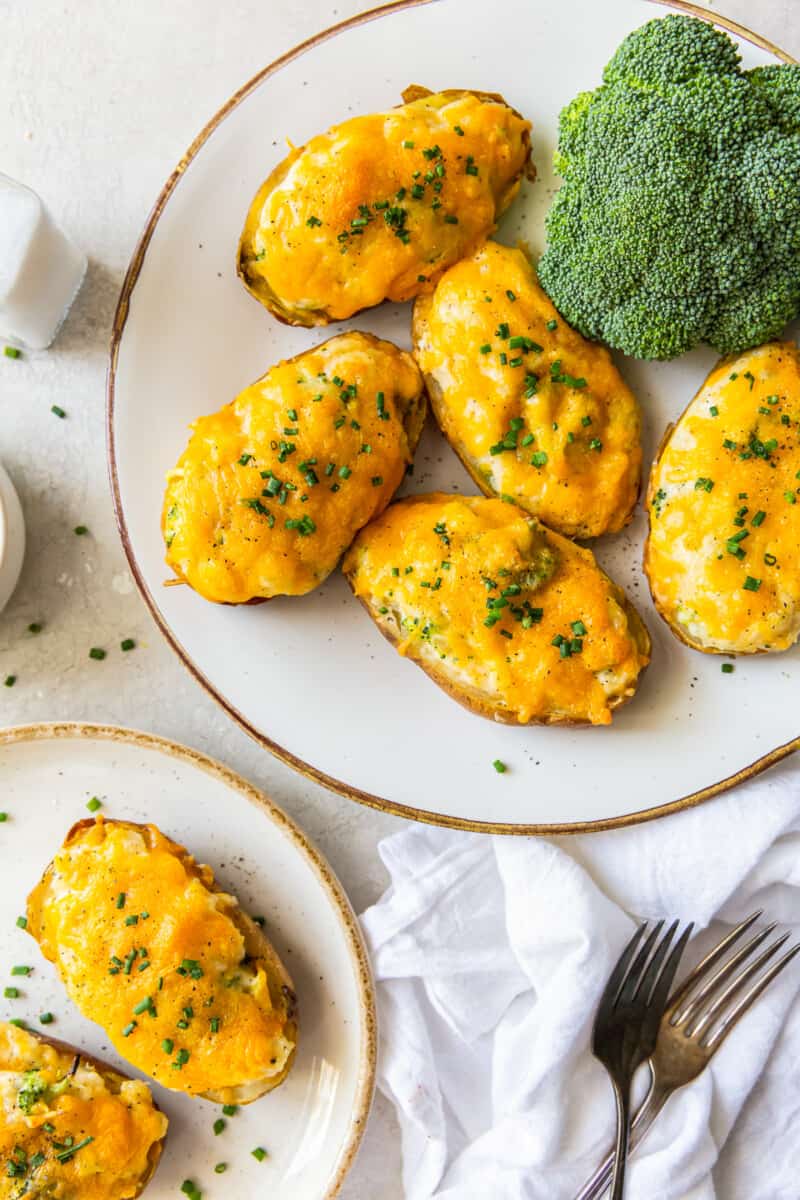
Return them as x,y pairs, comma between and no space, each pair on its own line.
41,270
12,538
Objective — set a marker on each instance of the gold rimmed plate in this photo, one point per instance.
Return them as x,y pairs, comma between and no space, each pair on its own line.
311,679
312,1124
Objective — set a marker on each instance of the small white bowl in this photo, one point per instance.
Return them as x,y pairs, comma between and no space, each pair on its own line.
12,538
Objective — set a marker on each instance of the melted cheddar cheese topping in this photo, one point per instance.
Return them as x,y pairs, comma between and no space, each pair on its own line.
499,609
535,411
723,555
67,1132
272,488
379,206
149,952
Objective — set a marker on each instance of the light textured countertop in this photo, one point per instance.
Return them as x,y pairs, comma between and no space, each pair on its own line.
100,98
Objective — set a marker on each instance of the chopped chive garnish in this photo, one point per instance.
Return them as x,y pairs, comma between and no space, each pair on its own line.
714,410
71,1151
21,970
46,1018
97,653
551,325
168,1045
22,922
35,627
499,766
81,530
539,458
3,817
485,348
191,1190
12,352
10,680
751,584
220,1168
219,1125
259,1153
94,804
129,1028
11,993
58,411
230,1110
727,668
303,525
127,644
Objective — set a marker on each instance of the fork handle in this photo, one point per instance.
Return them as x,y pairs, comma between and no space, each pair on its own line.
622,1095
651,1106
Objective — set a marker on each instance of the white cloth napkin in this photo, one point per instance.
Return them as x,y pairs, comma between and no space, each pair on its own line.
490,955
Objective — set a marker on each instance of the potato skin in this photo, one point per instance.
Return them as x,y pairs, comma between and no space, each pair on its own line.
271,490
722,555
533,410
260,956
457,628
114,1082
424,183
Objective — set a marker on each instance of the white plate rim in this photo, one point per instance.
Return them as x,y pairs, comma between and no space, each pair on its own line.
346,917
303,768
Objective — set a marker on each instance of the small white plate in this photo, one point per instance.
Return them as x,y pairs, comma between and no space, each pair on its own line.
311,1126
312,679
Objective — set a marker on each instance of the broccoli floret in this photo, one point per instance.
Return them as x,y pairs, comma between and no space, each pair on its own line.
32,1091
678,219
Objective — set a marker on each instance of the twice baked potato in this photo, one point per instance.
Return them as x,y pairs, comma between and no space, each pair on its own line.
533,410
376,208
723,551
71,1126
183,981
272,489
515,622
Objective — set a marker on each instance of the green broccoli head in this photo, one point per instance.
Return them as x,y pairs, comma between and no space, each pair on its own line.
678,219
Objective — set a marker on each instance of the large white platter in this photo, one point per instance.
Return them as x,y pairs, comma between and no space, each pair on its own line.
311,678
311,1126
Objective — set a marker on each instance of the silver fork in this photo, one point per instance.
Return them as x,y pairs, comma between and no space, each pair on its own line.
700,1015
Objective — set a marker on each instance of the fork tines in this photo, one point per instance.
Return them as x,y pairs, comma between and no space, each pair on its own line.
709,1006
